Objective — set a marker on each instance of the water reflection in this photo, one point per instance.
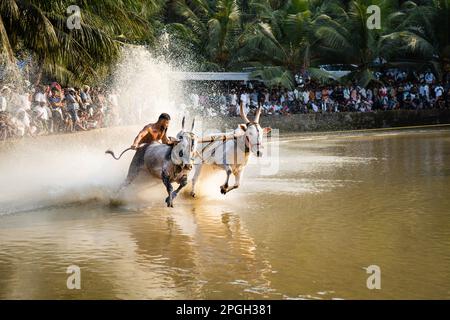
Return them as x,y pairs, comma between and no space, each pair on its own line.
338,204
154,253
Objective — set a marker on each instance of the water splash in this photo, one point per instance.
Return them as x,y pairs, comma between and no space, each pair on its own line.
55,170
146,88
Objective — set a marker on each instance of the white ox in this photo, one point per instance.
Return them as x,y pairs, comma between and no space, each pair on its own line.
231,154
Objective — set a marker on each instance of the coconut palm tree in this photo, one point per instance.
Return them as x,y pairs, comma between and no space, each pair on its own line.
345,37
420,35
277,37
39,28
210,27
280,42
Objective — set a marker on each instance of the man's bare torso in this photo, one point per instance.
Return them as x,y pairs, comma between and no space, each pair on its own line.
154,133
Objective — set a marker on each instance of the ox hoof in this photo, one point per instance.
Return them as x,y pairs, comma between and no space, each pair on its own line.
223,190
169,202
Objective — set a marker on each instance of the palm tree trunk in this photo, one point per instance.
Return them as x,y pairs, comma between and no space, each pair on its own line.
39,72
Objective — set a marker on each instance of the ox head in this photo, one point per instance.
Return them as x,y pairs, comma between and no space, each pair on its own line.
183,151
253,132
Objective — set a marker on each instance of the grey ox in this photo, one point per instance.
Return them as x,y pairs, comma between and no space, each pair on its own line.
170,163
231,155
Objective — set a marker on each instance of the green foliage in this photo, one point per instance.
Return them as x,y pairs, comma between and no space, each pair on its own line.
38,28
276,37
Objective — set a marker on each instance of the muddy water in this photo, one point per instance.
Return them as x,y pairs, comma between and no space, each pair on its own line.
338,204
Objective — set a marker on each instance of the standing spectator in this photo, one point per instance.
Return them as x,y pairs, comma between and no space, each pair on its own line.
233,102
243,101
424,91
223,104
194,99
55,103
41,115
86,100
438,91
429,77
4,96
72,107
290,98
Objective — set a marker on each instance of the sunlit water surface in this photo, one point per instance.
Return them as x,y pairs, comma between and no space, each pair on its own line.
338,204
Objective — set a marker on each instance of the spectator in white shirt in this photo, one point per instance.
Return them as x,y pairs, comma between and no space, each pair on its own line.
4,95
438,91
424,91
305,95
429,77
194,99
243,98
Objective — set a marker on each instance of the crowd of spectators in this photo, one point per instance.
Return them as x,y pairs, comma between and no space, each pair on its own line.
50,109
394,89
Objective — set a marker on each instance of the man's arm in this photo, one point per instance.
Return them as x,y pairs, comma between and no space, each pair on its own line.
139,137
165,139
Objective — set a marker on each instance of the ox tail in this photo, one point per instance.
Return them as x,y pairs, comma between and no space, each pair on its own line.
114,156
109,151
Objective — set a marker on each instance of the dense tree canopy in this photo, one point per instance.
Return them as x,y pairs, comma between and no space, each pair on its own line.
275,37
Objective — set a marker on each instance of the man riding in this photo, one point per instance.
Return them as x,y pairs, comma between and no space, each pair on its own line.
153,132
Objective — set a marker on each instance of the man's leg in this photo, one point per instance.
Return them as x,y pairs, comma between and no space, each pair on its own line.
136,165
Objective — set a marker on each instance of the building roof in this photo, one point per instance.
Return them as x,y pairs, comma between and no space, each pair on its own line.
212,76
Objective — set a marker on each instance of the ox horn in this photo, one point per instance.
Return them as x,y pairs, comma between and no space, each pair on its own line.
182,123
241,111
258,113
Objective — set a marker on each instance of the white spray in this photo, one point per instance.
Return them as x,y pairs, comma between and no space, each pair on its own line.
54,170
